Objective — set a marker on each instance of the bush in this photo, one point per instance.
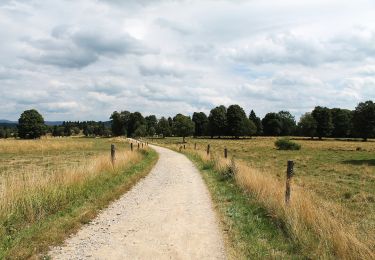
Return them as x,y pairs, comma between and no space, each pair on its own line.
286,144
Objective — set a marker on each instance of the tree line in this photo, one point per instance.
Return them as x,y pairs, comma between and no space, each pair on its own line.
231,121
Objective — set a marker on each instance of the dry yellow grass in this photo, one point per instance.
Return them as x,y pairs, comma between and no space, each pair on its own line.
40,145
58,183
315,224
24,192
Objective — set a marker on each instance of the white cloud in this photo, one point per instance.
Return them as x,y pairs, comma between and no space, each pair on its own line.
81,60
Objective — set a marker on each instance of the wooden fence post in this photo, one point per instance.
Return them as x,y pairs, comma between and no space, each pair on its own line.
289,175
208,149
195,146
131,147
184,147
225,152
113,154
138,146
142,145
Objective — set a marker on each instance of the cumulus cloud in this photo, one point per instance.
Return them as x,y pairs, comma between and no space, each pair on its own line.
80,60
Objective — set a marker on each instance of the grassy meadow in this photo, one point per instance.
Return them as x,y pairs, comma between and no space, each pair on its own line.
49,187
332,211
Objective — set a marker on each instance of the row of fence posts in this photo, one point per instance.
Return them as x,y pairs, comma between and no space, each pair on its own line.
289,170
113,150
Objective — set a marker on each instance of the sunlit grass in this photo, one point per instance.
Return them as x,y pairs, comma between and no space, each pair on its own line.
79,171
332,209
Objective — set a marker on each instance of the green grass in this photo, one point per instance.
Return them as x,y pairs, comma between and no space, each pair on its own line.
250,231
25,238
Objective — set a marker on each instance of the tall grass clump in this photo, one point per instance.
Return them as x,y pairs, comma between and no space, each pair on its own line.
310,221
286,144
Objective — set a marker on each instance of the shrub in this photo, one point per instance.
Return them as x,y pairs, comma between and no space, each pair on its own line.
286,144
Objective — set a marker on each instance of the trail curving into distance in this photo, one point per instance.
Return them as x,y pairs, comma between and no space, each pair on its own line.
167,215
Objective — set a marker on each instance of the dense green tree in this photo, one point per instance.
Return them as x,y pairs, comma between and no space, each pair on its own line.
272,124
31,125
257,122
183,126
201,123
342,122
288,123
151,124
323,118
307,125
2,133
170,122
364,120
238,123
135,120
76,130
119,122
140,131
58,131
88,130
163,127
217,121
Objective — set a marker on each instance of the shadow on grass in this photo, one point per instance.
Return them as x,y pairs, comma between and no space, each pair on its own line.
370,162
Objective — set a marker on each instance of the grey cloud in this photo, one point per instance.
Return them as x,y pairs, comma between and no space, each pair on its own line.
162,71
68,48
288,48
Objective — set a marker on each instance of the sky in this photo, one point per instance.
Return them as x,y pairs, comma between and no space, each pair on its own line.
82,60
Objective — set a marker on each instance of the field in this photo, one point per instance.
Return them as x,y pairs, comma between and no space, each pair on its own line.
49,187
338,176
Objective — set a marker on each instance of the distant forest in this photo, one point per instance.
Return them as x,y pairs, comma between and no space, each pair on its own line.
221,122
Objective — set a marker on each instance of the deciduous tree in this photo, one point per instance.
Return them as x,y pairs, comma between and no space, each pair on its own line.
31,125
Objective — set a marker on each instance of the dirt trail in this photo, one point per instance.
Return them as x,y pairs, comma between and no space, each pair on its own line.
167,215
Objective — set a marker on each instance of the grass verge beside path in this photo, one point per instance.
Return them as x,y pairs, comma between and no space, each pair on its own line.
307,227
88,197
251,233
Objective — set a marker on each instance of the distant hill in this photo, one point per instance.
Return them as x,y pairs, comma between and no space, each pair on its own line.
5,122
52,123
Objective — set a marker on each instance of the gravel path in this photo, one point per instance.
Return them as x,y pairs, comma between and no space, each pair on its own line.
167,215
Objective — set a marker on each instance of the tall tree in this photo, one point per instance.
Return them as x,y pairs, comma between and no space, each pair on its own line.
257,122
323,118
364,120
183,126
135,120
151,123
163,127
272,124
288,123
201,123
342,122
217,121
31,125
119,122
307,125
238,123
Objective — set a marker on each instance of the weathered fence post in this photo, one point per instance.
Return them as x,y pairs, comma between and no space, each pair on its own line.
113,154
142,145
195,146
289,175
208,149
138,146
225,152
184,147
131,147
